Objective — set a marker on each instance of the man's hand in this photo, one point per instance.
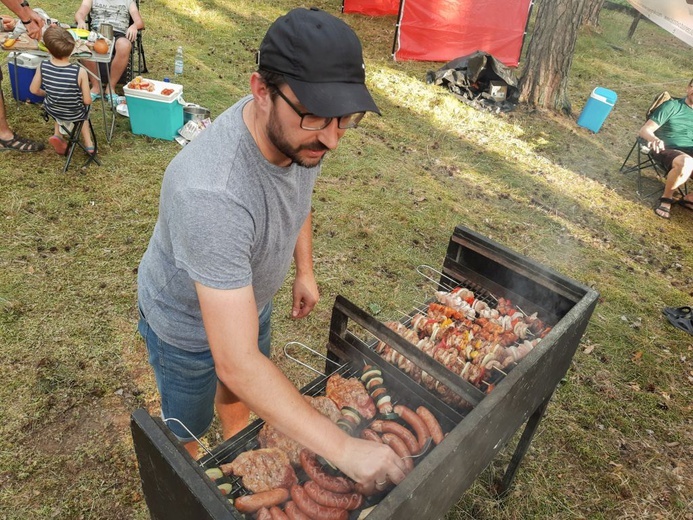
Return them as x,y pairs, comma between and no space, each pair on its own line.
305,295
131,33
368,462
657,145
8,23
34,29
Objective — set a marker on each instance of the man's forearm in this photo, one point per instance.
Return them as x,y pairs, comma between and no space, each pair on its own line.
303,252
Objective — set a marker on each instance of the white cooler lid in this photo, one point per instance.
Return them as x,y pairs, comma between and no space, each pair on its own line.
155,94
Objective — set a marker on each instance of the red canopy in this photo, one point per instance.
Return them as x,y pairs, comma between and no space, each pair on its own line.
441,30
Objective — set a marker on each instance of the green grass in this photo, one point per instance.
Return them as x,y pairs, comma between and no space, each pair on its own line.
616,439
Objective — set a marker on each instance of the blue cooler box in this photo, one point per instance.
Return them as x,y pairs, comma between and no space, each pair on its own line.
598,106
153,113
26,65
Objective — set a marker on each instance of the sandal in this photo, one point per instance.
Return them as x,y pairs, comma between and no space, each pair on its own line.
665,211
90,150
678,312
20,144
681,322
58,144
688,204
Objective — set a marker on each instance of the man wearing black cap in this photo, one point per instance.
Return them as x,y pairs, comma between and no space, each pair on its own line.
234,211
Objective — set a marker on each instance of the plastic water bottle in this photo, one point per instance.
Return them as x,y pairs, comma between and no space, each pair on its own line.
178,67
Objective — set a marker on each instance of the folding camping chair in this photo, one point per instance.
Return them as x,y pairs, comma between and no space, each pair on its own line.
73,131
644,158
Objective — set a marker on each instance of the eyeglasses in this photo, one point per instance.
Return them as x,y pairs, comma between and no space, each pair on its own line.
312,122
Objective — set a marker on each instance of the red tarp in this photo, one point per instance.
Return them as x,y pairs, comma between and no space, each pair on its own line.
371,7
441,30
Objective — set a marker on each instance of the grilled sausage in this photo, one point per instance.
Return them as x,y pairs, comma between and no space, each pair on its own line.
293,512
348,501
400,448
277,514
315,472
263,514
399,430
252,503
370,435
314,510
416,423
432,423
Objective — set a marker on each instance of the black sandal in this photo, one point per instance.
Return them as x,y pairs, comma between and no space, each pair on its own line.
678,312
20,144
684,323
660,207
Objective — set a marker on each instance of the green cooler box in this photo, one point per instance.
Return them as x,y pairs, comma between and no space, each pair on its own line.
156,113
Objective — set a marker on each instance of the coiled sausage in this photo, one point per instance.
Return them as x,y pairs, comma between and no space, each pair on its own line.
399,430
293,512
370,435
431,423
314,510
400,448
315,472
416,423
277,514
348,501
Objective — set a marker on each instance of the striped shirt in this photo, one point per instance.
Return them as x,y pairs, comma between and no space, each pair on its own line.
63,94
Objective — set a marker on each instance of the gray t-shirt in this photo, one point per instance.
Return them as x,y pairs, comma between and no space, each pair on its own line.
228,218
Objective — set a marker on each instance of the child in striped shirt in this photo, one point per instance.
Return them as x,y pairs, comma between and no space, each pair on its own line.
65,86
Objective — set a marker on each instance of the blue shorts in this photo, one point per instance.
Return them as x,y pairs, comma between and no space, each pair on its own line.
187,381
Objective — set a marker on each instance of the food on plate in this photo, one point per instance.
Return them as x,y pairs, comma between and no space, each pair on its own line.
256,501
314,510
270,437
167,92
262,470
139,83
350,392
314,470
9,42
348,501
101,46
431,423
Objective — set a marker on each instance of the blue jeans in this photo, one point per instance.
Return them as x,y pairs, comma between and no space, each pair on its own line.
187,381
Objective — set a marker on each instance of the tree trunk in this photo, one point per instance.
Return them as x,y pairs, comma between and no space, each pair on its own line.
549,57
591,14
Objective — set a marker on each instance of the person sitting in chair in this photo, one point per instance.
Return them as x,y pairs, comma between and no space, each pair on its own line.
669,134
65,86
117,13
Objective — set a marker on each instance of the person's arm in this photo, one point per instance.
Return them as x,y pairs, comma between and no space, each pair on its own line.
231,322
83,82
305,289
82,13
35,86
31,19
647,133
137,23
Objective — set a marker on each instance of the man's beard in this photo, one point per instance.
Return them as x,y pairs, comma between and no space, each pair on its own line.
276,136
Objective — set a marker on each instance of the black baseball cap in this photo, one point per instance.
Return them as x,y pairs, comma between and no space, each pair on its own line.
321,59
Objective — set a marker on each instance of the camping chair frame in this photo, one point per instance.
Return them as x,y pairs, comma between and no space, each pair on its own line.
644,159
74,138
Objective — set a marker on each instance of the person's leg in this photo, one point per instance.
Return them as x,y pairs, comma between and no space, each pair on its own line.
57,141
186,382
233,414
8,139
120,60
680,170
94,76
86,137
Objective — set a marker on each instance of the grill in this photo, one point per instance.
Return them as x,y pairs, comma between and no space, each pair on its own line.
479,420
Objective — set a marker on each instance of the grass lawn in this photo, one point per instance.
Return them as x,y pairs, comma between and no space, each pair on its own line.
616,441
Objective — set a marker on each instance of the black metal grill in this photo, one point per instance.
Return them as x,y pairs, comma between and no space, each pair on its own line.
175,486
